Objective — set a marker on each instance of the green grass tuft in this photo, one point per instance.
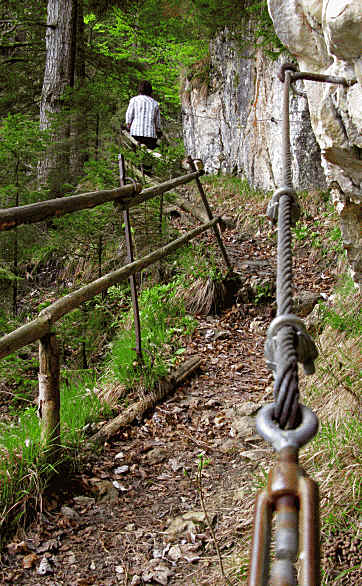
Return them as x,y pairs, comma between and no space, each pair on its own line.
163,322
24,470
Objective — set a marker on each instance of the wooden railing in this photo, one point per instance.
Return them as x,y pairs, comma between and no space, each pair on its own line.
42,327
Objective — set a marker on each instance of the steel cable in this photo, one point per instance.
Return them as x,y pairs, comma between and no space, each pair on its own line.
286,392
290,495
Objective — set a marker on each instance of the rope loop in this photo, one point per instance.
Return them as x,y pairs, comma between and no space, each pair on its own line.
306,350
273,206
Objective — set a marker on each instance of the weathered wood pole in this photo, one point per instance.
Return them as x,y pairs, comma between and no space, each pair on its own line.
209,214
40,326
49,396
42,210
132,278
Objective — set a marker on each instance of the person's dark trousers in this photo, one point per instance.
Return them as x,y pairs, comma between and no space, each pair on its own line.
148,141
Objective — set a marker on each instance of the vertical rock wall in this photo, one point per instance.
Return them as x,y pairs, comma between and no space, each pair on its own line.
326,37
232,119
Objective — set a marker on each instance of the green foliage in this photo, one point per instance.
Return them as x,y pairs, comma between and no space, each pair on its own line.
169,165
100,173
336,240
163,322
203,462
230,186
79,405
78,244
20,371
263,29
22,55
7,275
249,25
300,230
341,320
334,392
21,143
193,261
329,438
310,232
86,331
149,37
24,471
344,317
263,293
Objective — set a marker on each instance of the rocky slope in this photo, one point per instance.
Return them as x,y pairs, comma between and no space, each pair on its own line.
231,109
325,36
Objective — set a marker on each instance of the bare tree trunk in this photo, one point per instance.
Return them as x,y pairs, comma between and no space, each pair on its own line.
80,115
58,76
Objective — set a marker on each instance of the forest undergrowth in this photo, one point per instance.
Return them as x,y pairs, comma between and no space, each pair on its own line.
101,376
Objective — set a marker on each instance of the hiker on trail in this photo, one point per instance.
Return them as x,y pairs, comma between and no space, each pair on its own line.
143,117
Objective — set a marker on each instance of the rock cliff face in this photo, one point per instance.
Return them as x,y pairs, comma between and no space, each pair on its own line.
326,37
232,119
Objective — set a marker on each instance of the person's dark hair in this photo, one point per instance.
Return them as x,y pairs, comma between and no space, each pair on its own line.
145,88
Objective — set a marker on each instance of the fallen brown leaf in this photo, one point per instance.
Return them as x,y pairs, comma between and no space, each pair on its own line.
29,561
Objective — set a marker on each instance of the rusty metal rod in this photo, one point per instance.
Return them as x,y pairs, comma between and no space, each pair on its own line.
309,532
260,547
283,572
319,77
293,498
209,214
130,258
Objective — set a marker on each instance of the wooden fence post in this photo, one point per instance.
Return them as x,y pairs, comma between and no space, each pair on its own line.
49,396
209,215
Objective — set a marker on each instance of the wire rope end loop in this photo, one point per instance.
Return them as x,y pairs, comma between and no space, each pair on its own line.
286,67
305,347
273,205
279,438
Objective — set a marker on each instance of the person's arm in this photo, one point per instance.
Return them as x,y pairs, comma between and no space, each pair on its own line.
158,121
129,114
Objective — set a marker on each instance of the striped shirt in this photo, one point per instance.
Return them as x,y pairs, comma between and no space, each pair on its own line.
143,114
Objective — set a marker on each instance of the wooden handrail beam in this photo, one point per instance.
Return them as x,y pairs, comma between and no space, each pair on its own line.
161,188
128,196
36,212
40,326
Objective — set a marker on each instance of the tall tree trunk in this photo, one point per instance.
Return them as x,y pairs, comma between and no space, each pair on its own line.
58,76
80,109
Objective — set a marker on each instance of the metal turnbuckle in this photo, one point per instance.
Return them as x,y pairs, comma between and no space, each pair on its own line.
273,205
292,498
